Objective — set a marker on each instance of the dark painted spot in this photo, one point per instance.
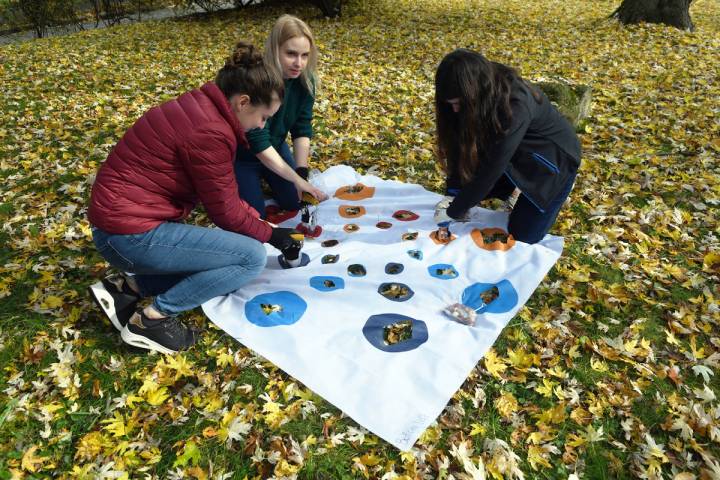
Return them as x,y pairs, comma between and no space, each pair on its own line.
374,332
397,292
356,270
394,268
416,254
410,236
330,259
329,243
383,225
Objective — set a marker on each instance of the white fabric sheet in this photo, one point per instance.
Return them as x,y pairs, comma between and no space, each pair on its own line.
396,395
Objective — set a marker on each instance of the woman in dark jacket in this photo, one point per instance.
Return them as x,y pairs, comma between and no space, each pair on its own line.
496,133
176,155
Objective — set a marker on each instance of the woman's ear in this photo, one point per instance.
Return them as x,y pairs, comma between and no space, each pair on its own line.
239,101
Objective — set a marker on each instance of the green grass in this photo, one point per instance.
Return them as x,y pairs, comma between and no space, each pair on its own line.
375,109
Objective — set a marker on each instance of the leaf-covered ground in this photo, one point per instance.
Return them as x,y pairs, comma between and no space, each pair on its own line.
610,371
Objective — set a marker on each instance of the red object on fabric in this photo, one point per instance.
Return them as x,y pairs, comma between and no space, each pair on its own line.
175,155
274,214
405,216
314,233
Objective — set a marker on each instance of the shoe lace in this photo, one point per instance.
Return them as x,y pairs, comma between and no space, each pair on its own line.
175,326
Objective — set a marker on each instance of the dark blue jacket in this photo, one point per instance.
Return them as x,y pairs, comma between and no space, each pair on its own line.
539,153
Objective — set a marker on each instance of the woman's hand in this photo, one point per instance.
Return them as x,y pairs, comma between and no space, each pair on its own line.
305,186
444,203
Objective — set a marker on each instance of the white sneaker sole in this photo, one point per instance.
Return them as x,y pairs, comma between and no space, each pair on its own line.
142,342
105,301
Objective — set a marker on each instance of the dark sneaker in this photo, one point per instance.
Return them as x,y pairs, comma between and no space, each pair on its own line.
166,335
115,298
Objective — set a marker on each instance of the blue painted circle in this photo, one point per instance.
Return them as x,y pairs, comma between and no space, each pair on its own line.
443,271
292,309
507,297
374,329
320,283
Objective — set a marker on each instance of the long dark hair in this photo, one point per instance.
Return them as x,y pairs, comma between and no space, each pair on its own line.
246,72
483,88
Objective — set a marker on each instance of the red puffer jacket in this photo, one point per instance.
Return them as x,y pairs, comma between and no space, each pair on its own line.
175,155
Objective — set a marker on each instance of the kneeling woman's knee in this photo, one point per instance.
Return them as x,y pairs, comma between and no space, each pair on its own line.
526,231
255,257
527,237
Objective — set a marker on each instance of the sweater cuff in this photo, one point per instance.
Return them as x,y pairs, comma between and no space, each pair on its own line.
302,132
258,146
259,140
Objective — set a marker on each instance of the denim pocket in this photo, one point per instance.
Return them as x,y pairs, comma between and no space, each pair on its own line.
110,253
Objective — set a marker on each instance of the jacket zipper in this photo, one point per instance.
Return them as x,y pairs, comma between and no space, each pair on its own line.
545,162
542,210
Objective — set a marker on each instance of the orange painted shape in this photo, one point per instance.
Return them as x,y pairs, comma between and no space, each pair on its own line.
477,236
355,192
351,227
433,236
351,211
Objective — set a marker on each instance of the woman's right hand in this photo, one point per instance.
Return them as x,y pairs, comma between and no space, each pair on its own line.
444,203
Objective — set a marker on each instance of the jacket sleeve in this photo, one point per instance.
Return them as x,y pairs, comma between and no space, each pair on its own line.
452,181
303,123
207,156
498,160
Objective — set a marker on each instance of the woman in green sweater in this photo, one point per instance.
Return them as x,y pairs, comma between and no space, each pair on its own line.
291,47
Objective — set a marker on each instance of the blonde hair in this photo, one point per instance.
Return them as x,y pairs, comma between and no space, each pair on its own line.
285,28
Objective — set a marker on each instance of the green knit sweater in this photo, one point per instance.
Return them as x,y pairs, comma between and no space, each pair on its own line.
294,116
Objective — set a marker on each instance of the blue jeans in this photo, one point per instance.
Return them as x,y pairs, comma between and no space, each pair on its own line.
183,265
527,223
249,171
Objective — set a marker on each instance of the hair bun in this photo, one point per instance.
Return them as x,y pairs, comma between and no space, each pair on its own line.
245,56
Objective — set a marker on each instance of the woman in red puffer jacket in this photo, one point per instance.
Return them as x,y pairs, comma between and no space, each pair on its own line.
176,155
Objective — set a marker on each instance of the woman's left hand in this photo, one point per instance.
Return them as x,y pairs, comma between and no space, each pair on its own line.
305,186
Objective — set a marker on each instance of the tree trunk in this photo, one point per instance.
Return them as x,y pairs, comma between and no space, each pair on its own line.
675,13
330,8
